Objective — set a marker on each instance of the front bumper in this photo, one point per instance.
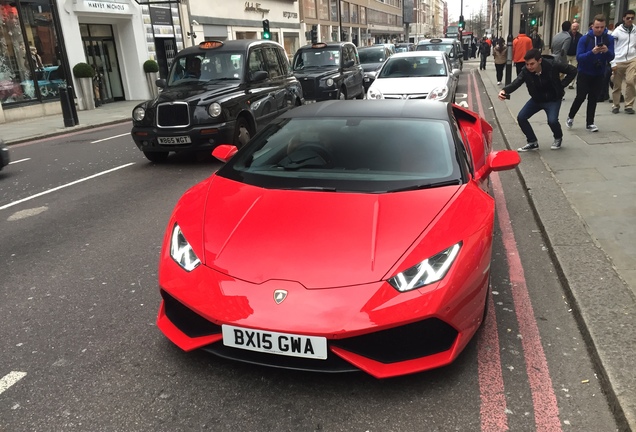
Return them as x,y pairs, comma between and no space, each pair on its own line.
368,327
202,137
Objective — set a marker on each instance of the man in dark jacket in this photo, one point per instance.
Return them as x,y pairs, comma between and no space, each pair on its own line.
594,52
546,89
575,36
484,52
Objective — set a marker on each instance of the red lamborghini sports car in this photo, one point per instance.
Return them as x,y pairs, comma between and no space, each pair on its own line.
345,236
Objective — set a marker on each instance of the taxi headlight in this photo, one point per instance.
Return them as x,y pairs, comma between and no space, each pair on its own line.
329,82
214,109
374,94
138,114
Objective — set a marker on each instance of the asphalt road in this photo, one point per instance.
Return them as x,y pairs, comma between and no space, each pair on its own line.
80,232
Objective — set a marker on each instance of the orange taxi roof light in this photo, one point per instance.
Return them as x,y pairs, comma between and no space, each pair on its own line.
319,45
210,44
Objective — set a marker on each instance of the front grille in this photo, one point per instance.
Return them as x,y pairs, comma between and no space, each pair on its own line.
408,342
189,322
406,96
173,114
309,89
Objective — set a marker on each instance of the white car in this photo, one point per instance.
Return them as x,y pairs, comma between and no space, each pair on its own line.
416,75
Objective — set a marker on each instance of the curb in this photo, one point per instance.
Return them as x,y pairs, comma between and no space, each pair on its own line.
606,319
68,131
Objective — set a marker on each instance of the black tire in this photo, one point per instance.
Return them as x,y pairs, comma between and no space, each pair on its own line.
156,157
342,94
242,132
488,294
362,92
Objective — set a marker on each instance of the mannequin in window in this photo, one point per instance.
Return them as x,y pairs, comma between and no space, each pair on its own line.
37,60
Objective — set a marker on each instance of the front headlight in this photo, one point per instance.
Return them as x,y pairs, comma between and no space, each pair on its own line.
372,74
427,272
374,94
214,109
438,93
181,251
329,82
139,113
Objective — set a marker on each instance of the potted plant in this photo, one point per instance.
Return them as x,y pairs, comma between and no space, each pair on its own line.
84,74
151,68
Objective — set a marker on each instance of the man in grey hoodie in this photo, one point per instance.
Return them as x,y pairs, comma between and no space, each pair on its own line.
624,63
561,43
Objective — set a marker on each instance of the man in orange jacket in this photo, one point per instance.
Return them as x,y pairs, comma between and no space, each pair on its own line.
520,46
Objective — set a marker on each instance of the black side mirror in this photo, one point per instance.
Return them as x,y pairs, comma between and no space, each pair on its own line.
161,83
259,76
349,64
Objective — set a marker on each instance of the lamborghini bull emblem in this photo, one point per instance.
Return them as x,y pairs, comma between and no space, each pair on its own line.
280,295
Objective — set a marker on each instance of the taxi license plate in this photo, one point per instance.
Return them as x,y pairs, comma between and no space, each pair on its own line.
174,140
286,344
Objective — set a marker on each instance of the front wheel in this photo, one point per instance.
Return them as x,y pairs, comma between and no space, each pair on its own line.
242,132
156,157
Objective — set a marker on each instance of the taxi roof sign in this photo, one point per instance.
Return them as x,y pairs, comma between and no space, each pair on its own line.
436,40
210,44
319,45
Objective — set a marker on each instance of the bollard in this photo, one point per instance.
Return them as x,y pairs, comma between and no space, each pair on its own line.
71,99
66,107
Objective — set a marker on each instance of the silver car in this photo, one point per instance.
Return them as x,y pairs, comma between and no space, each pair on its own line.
416,75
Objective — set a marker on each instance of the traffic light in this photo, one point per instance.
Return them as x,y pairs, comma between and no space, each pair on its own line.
266,33
461,22
533,21
314,34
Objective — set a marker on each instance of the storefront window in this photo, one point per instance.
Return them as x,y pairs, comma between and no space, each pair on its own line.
30,57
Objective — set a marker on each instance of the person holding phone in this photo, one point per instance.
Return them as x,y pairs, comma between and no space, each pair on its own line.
594,51
542,77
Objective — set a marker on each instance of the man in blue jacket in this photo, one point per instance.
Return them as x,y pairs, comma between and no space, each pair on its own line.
594,51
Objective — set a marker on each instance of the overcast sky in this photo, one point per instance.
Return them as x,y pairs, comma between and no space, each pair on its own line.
454,7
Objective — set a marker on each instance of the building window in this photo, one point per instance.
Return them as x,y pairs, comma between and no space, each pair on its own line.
28,57
323,10
310,8
344,11
363,15
354,14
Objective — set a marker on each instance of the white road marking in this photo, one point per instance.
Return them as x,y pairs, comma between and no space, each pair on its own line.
463,104
8,380
19,160
6,206
109,138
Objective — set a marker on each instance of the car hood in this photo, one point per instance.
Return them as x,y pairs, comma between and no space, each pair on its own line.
408,85
319,239
189,93
313,73
368,67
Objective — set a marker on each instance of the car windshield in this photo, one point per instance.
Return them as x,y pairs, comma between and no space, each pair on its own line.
407,67
372,55
402,49
447,48
316,58
205,67
354,154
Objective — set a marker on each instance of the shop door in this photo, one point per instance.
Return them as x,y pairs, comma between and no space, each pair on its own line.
102,55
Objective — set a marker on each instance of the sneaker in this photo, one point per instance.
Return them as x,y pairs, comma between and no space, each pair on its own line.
592,128
630,110
615,110
529,146
569,122
556,144
571,87
498,82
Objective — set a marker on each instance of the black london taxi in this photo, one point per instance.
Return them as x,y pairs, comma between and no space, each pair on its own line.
329,71
218,92
450,46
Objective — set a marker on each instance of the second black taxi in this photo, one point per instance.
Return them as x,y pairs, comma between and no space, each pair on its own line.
216,93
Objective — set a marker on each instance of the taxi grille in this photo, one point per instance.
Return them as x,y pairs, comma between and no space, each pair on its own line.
309,89
174,114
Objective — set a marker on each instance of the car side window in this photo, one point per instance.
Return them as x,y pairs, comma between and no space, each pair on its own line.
284,61
256,62
273,66
354,55
346,54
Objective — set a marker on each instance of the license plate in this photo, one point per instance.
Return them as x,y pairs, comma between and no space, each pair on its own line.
174,140
286,344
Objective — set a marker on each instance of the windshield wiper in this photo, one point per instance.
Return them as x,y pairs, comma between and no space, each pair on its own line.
427,185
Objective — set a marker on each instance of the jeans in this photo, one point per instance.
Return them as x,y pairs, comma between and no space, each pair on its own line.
482,61
519,66
590,86
531,108
500,71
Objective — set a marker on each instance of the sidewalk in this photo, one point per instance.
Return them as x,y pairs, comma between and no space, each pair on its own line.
25,130
584,196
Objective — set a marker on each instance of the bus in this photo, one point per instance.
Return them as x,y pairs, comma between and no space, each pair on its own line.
452,31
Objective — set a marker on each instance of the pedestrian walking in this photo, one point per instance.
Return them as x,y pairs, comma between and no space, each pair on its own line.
520,46
484,52
624,63
561,43
500,56
594,52
542,77
537,42
575,36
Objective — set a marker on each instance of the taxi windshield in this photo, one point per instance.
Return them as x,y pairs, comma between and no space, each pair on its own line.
205,67
316,57
372,55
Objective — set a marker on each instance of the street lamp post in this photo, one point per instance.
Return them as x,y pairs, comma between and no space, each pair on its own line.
509,44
